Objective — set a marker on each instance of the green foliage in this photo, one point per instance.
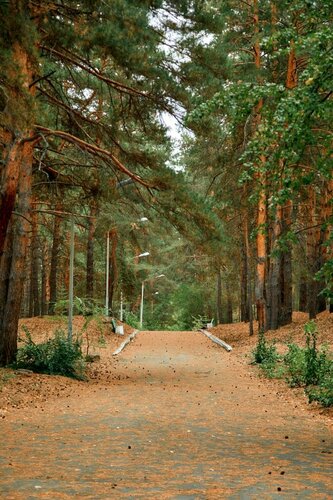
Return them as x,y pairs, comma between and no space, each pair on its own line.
199,322
307,367
56,356
264,353
81,306
325,275
132,320
296,366
324,392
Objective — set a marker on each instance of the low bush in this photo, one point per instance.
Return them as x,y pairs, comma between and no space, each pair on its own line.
307,367
295,364
265,353
56,356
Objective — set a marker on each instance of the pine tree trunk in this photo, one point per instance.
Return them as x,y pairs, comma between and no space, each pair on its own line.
249,273
12,305
34,268
312,257
113,266
303,300
244,313
54,261
219,308
261,243
286,299
229,303
90,252
5,267
44,284
275,273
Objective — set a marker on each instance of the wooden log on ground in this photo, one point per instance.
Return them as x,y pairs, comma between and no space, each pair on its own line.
218,341
124,344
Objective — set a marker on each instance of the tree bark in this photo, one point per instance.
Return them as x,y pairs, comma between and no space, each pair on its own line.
90,251
34,268
113,266
244,312
11,310
44,281
261,243
229,303
54,261
219,308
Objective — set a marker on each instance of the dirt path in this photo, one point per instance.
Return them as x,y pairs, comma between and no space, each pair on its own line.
185,420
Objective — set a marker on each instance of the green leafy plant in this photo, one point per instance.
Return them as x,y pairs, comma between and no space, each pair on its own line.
82,306
132,320
316,362
265,353
296,365
324,392
56,356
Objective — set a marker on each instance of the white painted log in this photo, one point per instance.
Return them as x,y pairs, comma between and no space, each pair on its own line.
124,344
218,341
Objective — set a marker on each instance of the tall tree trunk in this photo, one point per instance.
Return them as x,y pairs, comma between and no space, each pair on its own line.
90,251
44,282
275,273
12,305
34,268
219,308
249,273
244,312
286,299
313,240
229,303
261,240
113,266
55,261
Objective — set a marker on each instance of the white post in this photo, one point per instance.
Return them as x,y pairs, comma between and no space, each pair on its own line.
107,274
141,306
71,283
121,306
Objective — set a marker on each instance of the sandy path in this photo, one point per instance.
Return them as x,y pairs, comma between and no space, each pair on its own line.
185,420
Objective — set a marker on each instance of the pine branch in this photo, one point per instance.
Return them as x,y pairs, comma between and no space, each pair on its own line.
92,71
95,150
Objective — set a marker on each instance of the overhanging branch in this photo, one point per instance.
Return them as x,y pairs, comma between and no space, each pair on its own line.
95,150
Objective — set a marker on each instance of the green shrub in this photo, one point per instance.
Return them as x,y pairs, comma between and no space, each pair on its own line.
265,353
296,365
132,320
57,356
323,393
316,362
82,306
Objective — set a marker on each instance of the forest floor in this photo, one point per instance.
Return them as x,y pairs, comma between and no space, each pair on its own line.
174,416
24,390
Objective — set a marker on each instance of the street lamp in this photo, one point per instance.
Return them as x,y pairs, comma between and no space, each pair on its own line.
144,254
142,295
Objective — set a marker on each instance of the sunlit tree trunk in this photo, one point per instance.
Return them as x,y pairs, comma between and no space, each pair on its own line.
261,239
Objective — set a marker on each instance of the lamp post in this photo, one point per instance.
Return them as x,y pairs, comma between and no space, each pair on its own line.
121,315
142,295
